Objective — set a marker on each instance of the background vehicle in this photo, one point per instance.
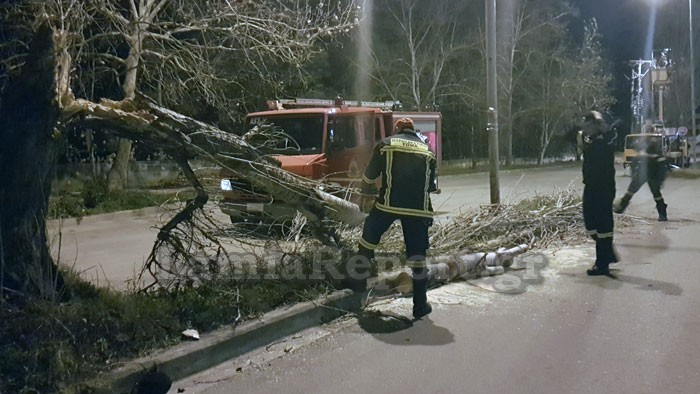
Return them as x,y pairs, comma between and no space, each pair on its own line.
326,140
674,147
634,143
678,149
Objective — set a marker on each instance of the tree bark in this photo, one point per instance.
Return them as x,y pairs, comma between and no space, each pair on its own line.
118,176
508,36
29,145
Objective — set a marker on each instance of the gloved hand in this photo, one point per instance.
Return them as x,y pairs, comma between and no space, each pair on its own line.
367,202
367,196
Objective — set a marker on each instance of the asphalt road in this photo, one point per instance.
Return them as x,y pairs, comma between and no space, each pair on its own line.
635,332
572,334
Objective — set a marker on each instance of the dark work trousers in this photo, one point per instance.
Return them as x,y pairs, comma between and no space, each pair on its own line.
415,235
653,175
598,219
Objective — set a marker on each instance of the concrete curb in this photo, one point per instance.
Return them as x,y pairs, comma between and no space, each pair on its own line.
216,347
135,213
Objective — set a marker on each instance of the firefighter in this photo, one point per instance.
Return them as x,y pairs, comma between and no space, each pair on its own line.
597,142
407,169
649,166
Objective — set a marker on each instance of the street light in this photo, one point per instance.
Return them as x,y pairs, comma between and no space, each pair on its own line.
692,78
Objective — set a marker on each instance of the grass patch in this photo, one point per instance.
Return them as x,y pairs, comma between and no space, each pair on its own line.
94,198
47,347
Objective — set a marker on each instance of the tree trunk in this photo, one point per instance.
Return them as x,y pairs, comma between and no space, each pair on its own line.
118,175
29,144
507,31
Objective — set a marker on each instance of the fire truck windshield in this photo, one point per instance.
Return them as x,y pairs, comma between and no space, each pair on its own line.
301,134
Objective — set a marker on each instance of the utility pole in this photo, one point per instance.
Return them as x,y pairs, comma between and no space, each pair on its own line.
640,68
660,77
492,99
692,79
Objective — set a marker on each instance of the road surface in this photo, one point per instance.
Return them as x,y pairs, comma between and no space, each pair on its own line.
635,332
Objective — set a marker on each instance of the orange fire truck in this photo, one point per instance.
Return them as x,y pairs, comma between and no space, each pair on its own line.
333,142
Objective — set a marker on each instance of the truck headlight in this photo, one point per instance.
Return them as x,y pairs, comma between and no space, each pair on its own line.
226,185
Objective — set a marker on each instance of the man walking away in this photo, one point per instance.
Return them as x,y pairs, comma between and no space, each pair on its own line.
650,166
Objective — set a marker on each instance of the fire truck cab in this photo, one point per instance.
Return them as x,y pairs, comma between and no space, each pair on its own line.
330,141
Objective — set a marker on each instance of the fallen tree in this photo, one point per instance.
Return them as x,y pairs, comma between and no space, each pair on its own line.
31,143
183,137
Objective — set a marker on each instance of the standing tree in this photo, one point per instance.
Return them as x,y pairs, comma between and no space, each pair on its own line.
588,77
411,49
518,21
511,16
557,75
29,145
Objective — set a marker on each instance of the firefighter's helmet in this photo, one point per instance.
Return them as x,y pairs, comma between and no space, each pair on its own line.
403,123
593,123
593,116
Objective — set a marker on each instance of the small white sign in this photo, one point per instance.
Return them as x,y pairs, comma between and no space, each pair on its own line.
226,185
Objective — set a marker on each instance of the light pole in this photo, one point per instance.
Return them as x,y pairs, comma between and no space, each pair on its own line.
492,99
692,78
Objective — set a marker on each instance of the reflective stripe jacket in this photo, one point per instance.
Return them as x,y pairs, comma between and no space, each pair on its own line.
407,167
599,160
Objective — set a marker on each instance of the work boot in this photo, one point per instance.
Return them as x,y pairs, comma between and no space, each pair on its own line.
421,307
604,256
598,270
661,208
356,273
621,205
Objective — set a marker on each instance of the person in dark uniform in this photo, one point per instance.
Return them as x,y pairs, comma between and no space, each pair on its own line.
407,168
650,167
597,142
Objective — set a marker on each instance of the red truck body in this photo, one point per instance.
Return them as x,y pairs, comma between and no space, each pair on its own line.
329,141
